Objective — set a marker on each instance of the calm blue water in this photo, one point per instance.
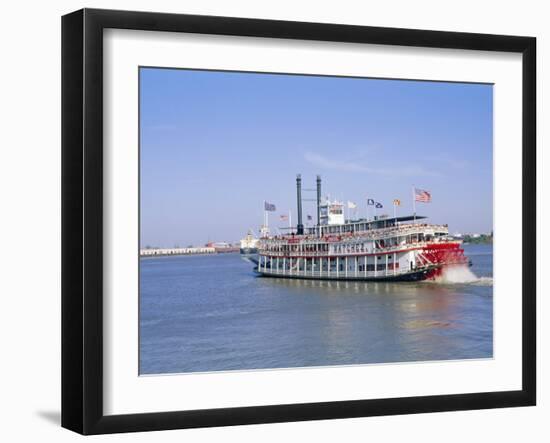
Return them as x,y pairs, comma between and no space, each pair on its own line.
210,313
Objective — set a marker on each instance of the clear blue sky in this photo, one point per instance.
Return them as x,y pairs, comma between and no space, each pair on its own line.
215,145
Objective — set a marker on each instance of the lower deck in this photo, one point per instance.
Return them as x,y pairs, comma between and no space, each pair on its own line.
352,262
383,267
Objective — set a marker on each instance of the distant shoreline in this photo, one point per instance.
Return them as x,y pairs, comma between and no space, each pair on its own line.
482,239
201,254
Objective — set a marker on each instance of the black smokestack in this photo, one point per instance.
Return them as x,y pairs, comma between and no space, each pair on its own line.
300,226
318,200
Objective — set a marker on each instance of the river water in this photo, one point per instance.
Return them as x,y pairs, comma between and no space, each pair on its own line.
211,313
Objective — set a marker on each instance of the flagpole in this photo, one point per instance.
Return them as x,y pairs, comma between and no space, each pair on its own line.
414,205
289,220
265,217
394,210
368,210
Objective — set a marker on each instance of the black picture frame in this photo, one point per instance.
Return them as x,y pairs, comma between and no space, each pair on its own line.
82,218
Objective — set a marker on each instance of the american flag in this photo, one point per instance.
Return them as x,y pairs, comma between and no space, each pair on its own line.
283,217
269,207
422,196
309,217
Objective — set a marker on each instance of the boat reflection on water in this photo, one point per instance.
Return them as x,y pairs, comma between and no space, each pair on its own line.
411,299
360,288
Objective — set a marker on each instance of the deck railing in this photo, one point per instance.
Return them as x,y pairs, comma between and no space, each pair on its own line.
378,234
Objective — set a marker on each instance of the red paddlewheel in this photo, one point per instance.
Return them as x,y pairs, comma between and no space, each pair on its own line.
442,254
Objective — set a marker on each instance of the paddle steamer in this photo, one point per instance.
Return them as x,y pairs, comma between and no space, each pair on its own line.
382,249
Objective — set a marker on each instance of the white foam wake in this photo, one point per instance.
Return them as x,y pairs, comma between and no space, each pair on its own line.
483,281
457,274
462,275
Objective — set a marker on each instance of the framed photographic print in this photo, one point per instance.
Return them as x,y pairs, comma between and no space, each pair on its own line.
269,221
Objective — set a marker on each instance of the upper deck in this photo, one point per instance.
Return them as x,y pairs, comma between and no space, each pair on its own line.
362,225
350,238
373,230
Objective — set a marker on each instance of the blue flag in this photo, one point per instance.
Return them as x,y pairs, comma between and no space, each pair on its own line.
378,205
269,207
370,202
